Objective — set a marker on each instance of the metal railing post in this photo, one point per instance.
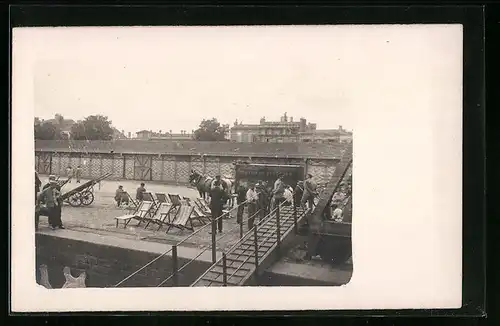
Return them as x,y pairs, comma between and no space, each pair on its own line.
256,248
214,235
224,269
278,230
295,227
175,265
241,228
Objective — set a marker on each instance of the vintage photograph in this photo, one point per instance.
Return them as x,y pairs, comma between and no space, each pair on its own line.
237,168
222,159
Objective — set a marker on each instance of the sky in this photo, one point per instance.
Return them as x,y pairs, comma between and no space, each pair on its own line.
170,78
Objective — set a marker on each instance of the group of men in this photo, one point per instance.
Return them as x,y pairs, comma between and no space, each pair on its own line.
122,197
48,202
259,198
74,173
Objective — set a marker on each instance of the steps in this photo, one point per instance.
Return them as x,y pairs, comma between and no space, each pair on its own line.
240,261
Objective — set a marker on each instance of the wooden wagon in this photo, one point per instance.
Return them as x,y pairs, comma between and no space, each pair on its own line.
83,195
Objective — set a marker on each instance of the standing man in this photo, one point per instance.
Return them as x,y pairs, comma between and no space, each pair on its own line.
298,192
223,186
139,194
309,192
278,191
252,199
51,196
38,183
240,199
69,173
216,203
265,197
78,173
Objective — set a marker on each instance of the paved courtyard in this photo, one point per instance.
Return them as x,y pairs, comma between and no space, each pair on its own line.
99,216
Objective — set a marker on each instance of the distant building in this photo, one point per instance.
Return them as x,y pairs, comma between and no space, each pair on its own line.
149,134
326,136
117,134
286,130
283,131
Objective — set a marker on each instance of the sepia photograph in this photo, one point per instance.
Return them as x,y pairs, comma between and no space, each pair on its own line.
152,173
200,157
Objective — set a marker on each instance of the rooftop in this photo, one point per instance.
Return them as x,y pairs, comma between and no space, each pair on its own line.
191,147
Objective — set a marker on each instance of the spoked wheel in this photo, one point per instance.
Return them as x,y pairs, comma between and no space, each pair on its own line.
87,198
75,200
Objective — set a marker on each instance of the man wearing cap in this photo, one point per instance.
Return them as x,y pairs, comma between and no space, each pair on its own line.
51,196
216,203
240,199
309,192
279,190
139,193
252,199
298,192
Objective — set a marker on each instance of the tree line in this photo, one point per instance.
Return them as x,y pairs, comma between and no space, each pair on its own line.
99,127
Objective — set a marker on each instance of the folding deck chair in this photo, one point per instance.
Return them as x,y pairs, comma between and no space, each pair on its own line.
182,218
134,202
202,204
175,199
141,214
199,216
162,213
162,198
185,201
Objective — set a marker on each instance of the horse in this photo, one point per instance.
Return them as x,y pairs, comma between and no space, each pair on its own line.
202,184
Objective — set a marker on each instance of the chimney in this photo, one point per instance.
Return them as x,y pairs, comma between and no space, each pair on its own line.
291,119
302,124
340,128
129,135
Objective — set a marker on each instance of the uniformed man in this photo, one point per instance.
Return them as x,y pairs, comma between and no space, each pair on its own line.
51,197
309,192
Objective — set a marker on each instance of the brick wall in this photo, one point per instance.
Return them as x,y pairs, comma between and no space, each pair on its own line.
106,265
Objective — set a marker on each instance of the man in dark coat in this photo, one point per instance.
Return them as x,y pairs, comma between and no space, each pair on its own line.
51,197
240,199
139,194
38,183
298,192
217,195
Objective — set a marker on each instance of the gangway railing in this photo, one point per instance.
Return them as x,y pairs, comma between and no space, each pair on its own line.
173,250
268,235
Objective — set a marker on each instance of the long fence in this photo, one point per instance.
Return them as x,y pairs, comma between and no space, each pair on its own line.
173,169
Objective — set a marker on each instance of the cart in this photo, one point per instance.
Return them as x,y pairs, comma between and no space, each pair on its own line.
61,183
83,195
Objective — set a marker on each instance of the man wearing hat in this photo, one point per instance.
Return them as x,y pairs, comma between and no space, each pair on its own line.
309,192
252,199
217,195
278,191
51,197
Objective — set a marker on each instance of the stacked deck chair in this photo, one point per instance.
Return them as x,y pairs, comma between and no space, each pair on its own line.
161,215
202,210
132,201
203,206
141,214
181,219
162,198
